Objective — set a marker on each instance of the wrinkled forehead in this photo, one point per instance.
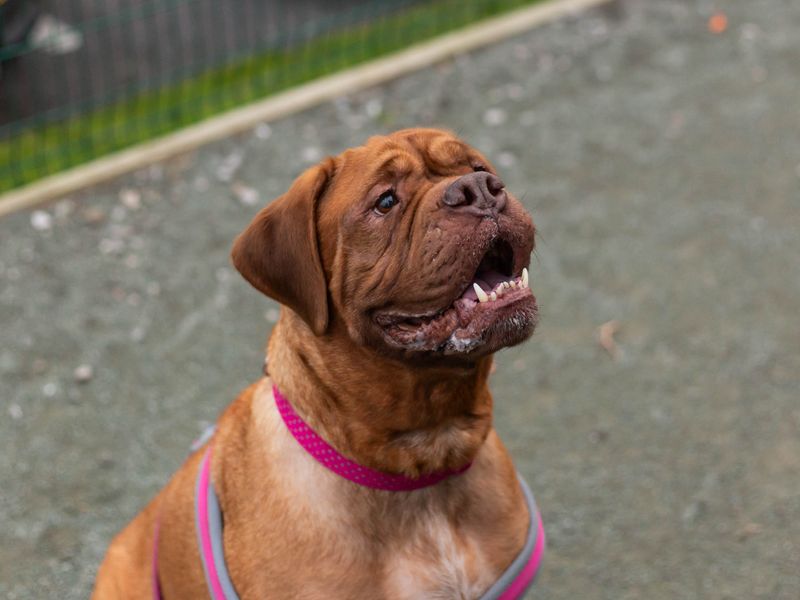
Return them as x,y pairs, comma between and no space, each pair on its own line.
361,174
425,152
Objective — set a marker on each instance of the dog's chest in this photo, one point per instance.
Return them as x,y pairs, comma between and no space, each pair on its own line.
434,561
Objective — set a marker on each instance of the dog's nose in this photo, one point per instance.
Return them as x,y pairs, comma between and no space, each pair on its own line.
480,192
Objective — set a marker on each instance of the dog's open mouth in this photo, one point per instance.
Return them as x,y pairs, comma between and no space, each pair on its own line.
495,303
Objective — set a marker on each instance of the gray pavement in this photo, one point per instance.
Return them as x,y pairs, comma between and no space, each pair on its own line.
662,165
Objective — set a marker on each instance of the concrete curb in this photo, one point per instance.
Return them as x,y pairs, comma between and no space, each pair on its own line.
291,101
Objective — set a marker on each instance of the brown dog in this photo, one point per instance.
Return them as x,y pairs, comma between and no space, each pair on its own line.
384,348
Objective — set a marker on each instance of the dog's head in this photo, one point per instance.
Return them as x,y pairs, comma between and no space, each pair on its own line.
409,244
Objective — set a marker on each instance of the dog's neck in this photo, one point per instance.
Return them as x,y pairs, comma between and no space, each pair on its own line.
379,412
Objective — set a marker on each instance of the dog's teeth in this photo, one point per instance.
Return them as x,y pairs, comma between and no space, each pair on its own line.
525,277
506,285
500,289
493,296
482,297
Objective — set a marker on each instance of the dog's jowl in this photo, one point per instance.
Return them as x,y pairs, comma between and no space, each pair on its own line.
364,464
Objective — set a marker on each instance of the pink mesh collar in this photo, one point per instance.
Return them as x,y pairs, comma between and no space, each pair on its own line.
327,456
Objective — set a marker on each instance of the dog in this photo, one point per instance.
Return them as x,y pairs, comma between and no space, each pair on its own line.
365,464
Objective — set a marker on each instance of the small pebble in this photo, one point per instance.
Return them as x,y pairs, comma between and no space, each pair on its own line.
598,435
49,389
694,511
311,154
93,215
222,274
41,220
245,194
63,209
130,198
373,108
110,246
153,288
750,31
15,411
494,117
83,373
229,165
263,131
106,459
134,299
514,91
506,160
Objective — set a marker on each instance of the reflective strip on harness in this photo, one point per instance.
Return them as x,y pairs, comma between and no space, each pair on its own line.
208,521
522,571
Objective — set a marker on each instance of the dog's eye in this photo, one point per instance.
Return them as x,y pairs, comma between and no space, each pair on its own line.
385,202
478,167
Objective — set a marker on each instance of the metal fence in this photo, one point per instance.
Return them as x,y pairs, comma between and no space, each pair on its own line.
82,78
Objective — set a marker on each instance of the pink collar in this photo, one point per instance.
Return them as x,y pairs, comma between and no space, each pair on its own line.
327,456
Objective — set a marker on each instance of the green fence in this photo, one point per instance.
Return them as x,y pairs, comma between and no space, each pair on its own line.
82,78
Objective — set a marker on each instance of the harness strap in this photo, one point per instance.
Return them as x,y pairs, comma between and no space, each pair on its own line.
511,585
208,520
520,574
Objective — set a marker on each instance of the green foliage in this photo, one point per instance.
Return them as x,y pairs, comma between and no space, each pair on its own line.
48,147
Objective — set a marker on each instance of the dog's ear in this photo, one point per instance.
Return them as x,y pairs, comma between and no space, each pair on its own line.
279,255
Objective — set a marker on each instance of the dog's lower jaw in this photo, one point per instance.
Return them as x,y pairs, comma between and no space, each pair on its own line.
461,334
416,421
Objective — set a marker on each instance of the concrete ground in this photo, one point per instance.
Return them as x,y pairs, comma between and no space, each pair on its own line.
661,162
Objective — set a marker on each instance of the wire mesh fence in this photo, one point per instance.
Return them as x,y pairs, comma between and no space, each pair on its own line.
82,78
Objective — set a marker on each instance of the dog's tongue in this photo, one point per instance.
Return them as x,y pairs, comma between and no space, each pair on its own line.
488,280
